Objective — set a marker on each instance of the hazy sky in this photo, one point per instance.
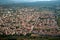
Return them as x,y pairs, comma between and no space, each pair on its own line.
25,0
30,0
16,1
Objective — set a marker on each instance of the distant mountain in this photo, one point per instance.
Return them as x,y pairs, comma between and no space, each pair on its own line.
5,2
10,1
38,3
19,1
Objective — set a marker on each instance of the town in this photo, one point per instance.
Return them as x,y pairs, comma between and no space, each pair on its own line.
28,20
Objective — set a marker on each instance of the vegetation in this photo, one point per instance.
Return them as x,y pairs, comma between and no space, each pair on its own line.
58,21
29,38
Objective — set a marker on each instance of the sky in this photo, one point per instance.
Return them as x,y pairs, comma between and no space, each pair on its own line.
25,0
30,0
20,1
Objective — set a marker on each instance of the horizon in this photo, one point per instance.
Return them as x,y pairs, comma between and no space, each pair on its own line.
4,2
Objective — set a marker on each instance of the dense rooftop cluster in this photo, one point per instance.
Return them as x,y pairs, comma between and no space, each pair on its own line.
27,20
